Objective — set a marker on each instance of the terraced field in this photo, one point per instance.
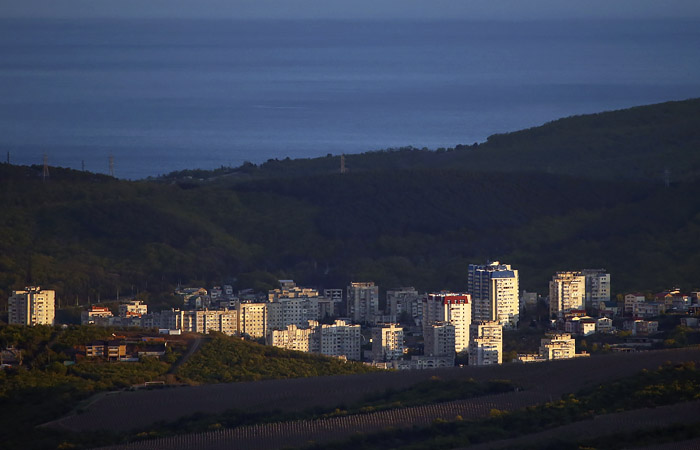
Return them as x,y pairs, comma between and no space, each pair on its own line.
542,382
607,424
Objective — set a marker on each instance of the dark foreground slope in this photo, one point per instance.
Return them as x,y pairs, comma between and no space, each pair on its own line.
540,383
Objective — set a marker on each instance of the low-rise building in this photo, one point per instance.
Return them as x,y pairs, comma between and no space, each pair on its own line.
631,301
134,307
640,327
649,309
604,325
96,315
419,362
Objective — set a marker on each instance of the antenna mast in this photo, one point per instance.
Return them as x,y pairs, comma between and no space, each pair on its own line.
111,166
342,164
45,174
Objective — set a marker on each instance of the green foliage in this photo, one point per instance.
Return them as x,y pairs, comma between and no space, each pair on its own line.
227,359
43,388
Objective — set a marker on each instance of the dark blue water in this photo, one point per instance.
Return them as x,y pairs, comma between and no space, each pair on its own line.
163,95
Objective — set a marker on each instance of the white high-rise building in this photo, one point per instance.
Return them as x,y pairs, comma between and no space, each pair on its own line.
486,344
452,308
597,286
363,302
387,342
32,306
567,292
494,288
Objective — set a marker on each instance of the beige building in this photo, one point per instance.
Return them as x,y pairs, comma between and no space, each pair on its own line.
294,338
32,306
387,342
557,346
567,292
96,315
134,307
203,321
289,289
486,344
252,319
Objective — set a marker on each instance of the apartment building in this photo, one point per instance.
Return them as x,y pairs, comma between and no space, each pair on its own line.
404,302
495,290
294,338
32,306
486,343
363,302
597,286
252,319
439,339
341,339
557,346
134,307
453,308
567,292
387,342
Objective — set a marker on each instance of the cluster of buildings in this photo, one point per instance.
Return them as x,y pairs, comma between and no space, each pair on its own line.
411,331
123,348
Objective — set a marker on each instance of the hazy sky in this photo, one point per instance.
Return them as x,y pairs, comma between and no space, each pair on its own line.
351,9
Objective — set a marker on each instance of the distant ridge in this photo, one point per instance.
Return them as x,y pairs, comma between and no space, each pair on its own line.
637,143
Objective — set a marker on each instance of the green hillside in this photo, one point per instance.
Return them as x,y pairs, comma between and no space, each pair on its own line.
89,236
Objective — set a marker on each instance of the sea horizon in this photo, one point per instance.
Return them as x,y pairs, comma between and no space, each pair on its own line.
161,95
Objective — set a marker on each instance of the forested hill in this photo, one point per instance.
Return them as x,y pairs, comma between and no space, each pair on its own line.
636,143
88,235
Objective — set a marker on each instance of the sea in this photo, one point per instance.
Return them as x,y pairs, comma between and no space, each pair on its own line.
160,95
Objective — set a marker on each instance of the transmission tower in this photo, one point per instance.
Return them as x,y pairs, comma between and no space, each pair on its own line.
111,166
45,174
8,158
342,164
